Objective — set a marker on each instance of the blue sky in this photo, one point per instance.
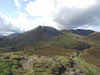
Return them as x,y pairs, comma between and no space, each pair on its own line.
8,7
24,15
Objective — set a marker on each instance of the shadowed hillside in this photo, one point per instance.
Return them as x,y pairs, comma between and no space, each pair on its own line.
79,31
94,36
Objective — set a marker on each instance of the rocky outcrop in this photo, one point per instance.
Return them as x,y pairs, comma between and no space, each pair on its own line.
57,65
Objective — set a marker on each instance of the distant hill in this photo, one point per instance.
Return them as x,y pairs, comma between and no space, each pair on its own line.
80,31
44,36
14,34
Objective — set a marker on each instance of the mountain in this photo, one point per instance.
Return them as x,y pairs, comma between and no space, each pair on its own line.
14,34
31,38
39,33
80,31
43,36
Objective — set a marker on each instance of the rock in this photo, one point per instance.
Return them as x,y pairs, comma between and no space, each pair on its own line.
52,65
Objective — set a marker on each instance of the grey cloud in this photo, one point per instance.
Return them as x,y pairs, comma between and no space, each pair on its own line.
73,18
6,27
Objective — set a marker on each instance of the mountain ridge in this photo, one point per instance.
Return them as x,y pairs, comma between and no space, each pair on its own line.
80,31
44,36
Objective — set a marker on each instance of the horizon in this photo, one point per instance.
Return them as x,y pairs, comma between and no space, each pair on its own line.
7,34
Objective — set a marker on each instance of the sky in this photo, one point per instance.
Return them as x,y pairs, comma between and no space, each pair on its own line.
24,15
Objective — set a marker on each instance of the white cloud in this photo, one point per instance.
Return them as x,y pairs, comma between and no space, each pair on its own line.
6,26
63,13
22,21
17,3
82,4
40,7
89,27
25,0
25,23
48,7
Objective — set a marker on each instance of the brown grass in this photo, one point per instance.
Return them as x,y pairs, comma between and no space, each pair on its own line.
51,51
92,55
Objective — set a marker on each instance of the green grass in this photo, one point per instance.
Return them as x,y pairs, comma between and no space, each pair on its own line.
9,65
92,55
60,45
90,68
50,51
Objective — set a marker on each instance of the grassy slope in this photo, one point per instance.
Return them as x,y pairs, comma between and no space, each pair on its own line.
92,55
60,45
90,58
94,36
90,68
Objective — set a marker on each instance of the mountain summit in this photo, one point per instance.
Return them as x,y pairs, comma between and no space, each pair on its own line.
33,37
40,33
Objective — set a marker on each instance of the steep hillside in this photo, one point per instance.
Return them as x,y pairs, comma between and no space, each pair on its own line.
33,37
92,55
